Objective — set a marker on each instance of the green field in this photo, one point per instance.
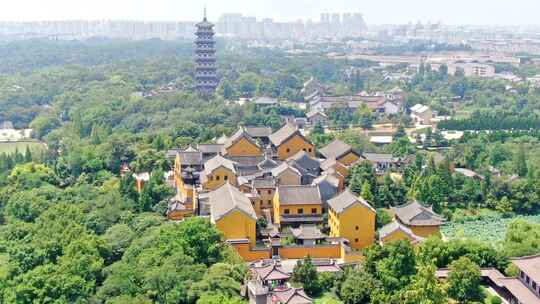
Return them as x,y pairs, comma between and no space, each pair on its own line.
491,228
327,298
11,147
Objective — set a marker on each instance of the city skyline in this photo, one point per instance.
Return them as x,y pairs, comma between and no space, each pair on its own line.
482,12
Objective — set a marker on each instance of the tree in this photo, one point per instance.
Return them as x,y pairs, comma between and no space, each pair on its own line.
247,83
366,192
464,281
393,264
306,274
520,162
424,288
226,89
358,287
521,238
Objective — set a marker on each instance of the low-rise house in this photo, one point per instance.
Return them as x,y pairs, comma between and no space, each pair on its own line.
382,161
315,117
422,221
261,134
265,101
341,152
352,218
297,205
241,144
285,174
218,171
289,295
309,167
329,186
288,141
308,235
468,173
395,231
421,114
233,214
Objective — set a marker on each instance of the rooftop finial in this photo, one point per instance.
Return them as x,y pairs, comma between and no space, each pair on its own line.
205,12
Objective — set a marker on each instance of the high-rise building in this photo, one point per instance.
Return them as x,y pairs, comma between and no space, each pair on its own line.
206,80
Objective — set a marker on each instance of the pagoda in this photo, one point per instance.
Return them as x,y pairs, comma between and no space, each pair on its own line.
206,80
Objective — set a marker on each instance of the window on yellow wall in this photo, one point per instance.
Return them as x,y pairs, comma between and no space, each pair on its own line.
356,228
356,240
210,177
217,177
269,191
226,177
313,210
286,211
310,150
300,211
288,150
269,202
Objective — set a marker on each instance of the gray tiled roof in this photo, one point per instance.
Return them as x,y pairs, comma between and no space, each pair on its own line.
228,198
414,214
237,136
263,183
190,158
394,226
210,148
304,160
218,161
307,232
282,168
257,132
281,135
304,194
380,157
335,149
346,199
292,295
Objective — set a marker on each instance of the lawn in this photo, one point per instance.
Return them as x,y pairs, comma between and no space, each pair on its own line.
327,298
11,147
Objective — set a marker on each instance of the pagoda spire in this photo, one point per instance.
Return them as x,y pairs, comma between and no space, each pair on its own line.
206,80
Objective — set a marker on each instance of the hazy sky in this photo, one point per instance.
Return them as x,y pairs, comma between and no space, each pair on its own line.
503,12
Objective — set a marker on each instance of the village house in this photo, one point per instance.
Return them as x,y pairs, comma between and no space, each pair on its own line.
352,218
421,220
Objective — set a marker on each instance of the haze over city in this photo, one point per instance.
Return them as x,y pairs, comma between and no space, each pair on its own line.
481,12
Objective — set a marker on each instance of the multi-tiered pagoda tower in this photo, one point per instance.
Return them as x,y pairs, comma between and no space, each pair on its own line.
206,80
